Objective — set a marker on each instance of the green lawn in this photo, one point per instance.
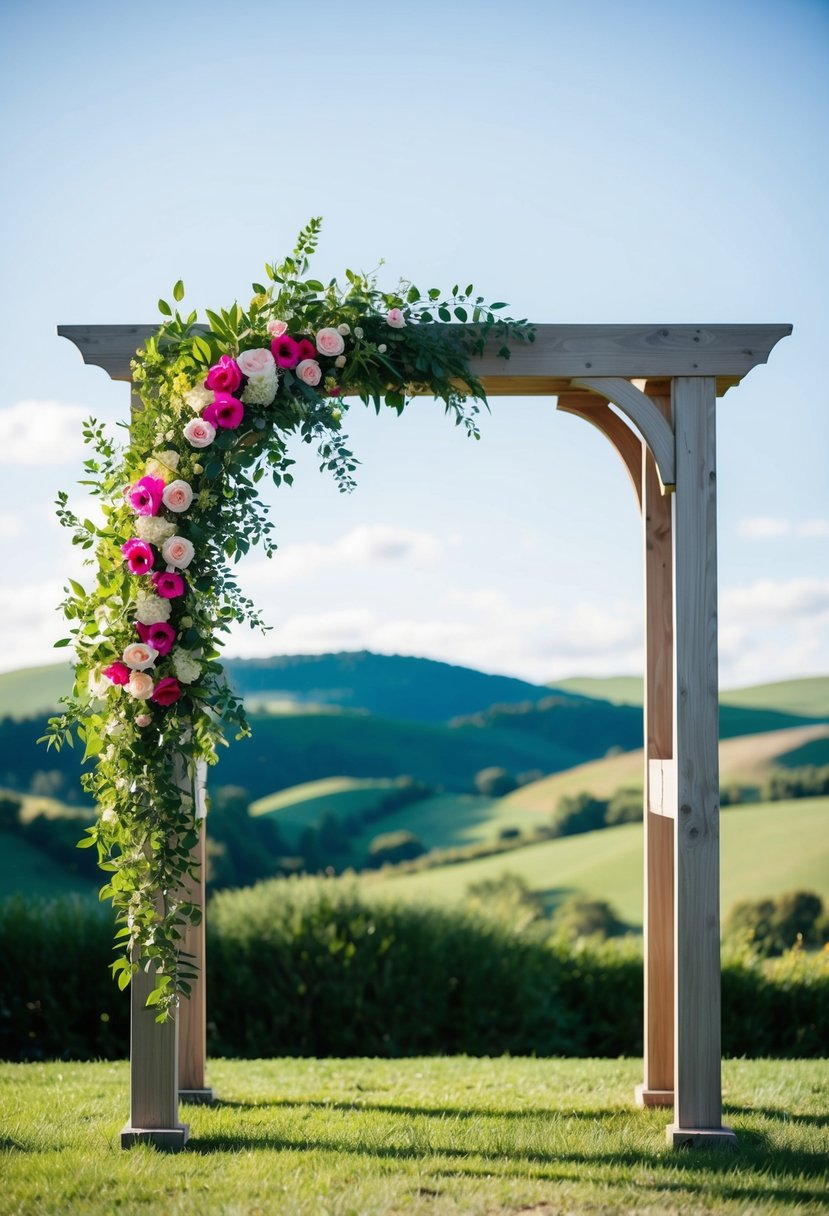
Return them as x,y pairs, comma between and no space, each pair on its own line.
466,1137
808,697
766,849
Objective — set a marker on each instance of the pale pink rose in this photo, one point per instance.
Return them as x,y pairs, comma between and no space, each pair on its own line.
395,318
140,686
143,719
256,362
199,434
177,496
309,372
139,656
177,551
277,328
330,342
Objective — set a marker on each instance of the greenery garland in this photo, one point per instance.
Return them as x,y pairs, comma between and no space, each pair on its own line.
180,504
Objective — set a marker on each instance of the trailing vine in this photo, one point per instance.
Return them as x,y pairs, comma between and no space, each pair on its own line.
180,502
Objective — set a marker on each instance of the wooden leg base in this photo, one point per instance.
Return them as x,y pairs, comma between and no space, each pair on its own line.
171,1139
197,1097
653,1097
700,1137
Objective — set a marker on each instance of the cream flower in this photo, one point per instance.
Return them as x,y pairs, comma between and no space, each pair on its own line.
154,529
186,666
140,686
198,398
261,390
138,656
150,608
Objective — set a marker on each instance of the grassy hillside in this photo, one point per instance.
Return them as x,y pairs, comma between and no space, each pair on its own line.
33,690
766,849
306,804
807,698
744,761
25,868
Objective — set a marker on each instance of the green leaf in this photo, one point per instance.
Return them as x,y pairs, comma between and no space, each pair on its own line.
62,642
444,313
315,285
164,308
78,589
461,313
178,291
500,304
413,295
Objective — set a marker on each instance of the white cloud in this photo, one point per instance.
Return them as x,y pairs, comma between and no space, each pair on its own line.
32,624
772,527
366,545
40,433
763,527
10,525
773,629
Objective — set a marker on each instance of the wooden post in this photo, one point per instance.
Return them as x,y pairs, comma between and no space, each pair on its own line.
192,1013
697,1063
657,1088
153,1074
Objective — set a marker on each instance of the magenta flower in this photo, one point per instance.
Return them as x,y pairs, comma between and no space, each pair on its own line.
285,351
224,376
139,556
160,636
119,673
167,691
168,584
306,350
224,411
145,496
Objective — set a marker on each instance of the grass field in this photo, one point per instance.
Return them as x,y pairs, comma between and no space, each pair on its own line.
766,849
28,869
747,760
449,1137
808,697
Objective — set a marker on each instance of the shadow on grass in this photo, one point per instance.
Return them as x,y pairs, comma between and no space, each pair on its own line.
776,1112
438,1112
679,1170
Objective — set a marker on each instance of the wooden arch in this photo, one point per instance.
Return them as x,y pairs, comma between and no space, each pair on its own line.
663,381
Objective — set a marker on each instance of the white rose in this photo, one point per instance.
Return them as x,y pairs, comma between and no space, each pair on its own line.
178,552
150,609
114,729
170,458
138,656
99,685
344,329
140,686
198,398
109,817
177,496
255,362
187,667
154,529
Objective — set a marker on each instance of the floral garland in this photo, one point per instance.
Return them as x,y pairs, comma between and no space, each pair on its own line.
180,502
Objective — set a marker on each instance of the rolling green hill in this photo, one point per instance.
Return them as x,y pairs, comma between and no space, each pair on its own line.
767,849
27,869
806,698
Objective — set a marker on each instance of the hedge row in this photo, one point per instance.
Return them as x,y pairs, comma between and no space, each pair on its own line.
309,967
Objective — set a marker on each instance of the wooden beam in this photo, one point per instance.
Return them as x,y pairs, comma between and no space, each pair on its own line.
559,354
697,1036
645,416
599,414
153,1074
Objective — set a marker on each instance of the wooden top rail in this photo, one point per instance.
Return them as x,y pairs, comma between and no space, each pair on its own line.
546,367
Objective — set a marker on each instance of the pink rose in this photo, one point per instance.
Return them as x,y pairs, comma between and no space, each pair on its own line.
139,556
395,318
285,351
143,719
167,691
177,496
256,362
226,412
305,350
309,372
160,636
139,656
330,342
224,376
168,585
119,673
199,434
276,328
140,686
177,551
145,496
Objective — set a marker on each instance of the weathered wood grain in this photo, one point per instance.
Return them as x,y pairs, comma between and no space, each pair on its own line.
559,353
643,413
697,1077
153,1074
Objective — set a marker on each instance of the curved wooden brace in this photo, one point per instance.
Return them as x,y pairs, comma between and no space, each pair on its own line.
599,414
645,416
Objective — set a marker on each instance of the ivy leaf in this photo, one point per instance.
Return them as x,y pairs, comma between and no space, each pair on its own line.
164,308
178,291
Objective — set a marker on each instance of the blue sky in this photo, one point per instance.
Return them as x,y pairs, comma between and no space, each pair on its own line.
587,162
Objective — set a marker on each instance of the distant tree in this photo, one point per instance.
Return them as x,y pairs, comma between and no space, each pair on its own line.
583,916
494,782
770,926
578,813
331,834
10,808
624,807
506,895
